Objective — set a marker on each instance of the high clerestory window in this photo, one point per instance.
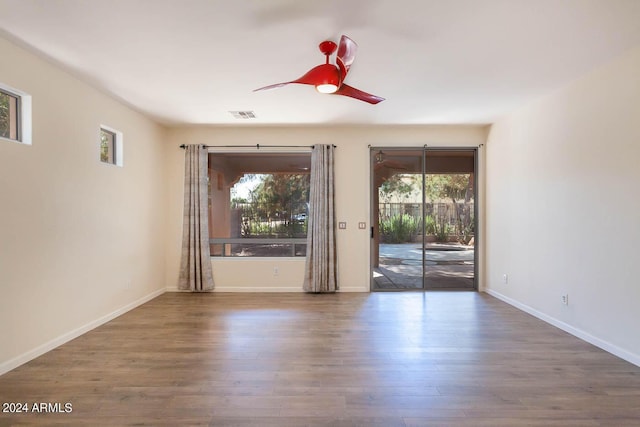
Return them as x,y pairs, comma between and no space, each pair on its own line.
258,204
15,115
111,146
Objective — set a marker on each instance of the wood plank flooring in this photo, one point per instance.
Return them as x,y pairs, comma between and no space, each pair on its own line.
381,359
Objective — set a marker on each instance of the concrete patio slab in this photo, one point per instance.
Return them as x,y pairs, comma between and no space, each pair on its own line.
448,266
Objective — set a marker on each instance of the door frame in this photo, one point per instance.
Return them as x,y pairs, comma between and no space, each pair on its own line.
374,221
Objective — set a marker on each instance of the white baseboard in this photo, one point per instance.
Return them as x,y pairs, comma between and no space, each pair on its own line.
56,342
605,345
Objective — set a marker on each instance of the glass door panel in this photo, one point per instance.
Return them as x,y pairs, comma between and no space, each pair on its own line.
397,219
450,219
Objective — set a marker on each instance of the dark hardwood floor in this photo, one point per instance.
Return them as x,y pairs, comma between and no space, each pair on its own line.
380,359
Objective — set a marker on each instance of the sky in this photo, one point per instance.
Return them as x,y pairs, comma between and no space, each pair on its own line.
245,185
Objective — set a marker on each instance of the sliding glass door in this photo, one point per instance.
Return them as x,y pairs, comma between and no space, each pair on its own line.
424,219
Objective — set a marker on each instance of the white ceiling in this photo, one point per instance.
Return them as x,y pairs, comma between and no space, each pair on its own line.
435,61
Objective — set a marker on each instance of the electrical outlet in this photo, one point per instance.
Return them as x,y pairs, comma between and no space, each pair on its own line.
505,278
565,299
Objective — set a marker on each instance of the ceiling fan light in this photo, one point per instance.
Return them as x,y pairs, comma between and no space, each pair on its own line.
327,88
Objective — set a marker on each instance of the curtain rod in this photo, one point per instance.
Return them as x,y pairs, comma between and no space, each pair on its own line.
257,146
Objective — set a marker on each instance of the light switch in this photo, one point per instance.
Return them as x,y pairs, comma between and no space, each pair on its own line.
362,225
342,225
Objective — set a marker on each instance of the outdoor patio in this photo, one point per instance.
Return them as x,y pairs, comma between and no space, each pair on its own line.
448,266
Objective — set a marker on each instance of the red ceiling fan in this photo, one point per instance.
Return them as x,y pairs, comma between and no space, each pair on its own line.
329,78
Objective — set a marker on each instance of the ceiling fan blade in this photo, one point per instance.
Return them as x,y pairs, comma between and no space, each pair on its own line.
346,55
273,86
352,92
315,76
301,81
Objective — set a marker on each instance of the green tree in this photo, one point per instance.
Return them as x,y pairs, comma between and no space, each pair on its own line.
456,187
448,186
284,194
245,182
399,186
276,203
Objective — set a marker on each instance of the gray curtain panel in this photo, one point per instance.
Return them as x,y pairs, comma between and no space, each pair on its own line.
195,265
320,267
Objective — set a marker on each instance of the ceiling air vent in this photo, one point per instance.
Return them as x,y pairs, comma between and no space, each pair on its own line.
243,114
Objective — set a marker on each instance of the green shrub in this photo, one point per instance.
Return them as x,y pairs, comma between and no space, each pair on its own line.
442,231
429,225
260,229
467,232
399,228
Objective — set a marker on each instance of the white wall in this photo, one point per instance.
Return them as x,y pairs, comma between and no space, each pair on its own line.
563,211
352,195
80,241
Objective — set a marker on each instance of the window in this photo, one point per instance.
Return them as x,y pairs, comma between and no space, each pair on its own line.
15,115
107,146
110,146
258,204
